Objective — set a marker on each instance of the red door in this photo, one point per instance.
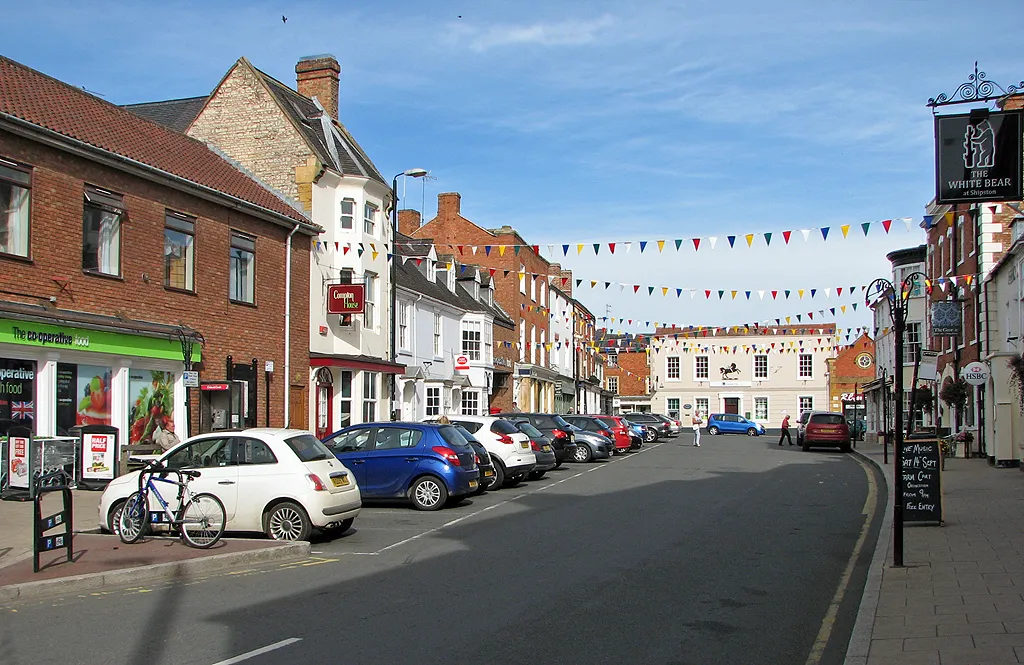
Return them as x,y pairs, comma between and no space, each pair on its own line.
732,405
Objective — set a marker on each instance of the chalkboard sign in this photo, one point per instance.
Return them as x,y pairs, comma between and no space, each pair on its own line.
922,486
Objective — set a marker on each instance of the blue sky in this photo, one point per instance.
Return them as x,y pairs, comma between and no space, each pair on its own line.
583,122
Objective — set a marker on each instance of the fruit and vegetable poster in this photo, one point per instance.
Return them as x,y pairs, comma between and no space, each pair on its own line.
17,394
152,404
83,396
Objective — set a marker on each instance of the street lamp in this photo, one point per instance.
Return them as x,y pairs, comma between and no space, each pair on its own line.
899,303
409,173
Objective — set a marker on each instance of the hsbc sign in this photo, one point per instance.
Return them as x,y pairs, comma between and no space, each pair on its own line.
346,298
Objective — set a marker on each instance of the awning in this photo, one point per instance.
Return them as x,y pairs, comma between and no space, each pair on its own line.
366,363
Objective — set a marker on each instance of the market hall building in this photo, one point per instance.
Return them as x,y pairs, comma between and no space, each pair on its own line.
118,237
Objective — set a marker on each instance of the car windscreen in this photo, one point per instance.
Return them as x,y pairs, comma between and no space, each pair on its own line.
828,419
453,437
470,425
308,448
504,427
466,434
529,430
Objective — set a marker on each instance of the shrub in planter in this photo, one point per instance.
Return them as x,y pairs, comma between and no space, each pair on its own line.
954,393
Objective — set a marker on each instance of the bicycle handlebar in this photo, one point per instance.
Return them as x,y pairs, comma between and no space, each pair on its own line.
156,466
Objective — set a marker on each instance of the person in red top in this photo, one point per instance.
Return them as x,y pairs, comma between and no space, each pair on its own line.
785,430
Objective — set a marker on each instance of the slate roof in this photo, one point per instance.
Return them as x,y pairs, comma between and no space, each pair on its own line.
408,275
330,141
176,114
53,105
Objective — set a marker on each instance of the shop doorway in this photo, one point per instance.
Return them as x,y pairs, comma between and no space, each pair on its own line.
324,402
731,404
298,407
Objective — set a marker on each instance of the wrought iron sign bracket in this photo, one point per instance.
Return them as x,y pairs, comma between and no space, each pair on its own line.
977,88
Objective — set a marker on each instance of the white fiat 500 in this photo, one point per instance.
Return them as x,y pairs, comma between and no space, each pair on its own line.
283,482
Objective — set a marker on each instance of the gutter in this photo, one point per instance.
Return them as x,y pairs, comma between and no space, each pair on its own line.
80,148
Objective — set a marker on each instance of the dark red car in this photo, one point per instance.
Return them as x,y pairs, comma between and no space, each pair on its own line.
619,432
826,429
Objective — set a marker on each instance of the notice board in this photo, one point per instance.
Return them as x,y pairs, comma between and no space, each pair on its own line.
922,481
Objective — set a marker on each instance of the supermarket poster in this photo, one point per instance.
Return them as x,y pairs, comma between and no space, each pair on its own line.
152,404
83,396
17,394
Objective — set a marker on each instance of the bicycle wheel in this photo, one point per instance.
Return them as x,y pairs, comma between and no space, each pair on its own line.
202,521
133,521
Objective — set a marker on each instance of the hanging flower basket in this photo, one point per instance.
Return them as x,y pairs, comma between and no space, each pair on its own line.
954,393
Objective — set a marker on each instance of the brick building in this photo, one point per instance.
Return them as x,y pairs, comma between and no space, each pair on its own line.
852,367
522,372
117,236
627,373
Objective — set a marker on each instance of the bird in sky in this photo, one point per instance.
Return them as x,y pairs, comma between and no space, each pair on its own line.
284,19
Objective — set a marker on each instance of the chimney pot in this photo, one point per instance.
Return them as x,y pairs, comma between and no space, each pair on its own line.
317,76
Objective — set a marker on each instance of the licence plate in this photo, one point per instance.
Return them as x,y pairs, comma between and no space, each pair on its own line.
827,430
488,473
339,481
524,445
473,484
546,449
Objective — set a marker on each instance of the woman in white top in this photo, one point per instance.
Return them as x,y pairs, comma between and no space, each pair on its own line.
696,422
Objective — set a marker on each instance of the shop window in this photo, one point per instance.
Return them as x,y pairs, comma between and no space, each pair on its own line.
101,231
83,396
15,204
369,396
702,405
672,405
17,395
179,251
760,408
242,282
151,401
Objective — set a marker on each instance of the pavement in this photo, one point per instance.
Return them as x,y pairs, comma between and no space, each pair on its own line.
959,597
102,560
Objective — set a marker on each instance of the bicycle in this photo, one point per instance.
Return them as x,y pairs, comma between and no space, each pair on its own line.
200,518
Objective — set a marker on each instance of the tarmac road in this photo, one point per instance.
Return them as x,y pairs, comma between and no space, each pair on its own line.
735,552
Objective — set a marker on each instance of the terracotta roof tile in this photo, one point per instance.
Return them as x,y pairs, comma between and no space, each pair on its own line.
64,109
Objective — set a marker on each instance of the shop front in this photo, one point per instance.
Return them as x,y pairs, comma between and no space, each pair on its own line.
56,378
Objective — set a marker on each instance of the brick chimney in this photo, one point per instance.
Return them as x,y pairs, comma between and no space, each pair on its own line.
409,221
449,204
1012,103
317,76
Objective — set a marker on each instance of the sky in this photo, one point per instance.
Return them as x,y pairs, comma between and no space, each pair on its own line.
597,122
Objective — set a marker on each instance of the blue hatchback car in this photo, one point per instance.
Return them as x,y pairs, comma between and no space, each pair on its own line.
428,464
731,423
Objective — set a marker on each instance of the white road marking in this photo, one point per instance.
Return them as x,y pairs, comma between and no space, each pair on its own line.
818,649
258,652
506,501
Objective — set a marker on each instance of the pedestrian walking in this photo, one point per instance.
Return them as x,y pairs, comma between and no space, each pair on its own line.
785,430
696,421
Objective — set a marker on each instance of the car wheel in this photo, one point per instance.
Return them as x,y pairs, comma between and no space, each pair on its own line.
712,430
651,436
428,493
114,517
804,446
288,521
499,475
537,475
751,431
558,463
582,453
340,528
481,489
845,447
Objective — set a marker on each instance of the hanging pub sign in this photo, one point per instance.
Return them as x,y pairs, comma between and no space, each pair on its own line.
978,157
946,318
345,298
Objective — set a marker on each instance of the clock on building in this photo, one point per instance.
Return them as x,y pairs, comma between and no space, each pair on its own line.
864,360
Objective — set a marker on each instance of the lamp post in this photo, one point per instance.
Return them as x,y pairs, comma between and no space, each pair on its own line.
393,357
899,303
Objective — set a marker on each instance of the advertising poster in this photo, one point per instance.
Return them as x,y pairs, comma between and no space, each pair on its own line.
83,396
152,405
17,394
98,460
17,453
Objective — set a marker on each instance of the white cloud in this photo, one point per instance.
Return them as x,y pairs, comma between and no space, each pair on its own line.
561,33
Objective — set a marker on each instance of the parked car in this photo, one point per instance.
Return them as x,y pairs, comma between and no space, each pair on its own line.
555,428
282,482
858,427
637,429
588,446
542,450
673,425
824,428
483,460
801,423
732,423
425,463
509,448
621,427
656,427
617,434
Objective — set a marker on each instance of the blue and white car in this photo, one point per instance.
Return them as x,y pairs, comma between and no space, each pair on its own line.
732,423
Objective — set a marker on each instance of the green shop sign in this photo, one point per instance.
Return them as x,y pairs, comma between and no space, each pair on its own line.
97,341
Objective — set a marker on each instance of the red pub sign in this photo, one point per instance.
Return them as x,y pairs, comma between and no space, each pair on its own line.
345,298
